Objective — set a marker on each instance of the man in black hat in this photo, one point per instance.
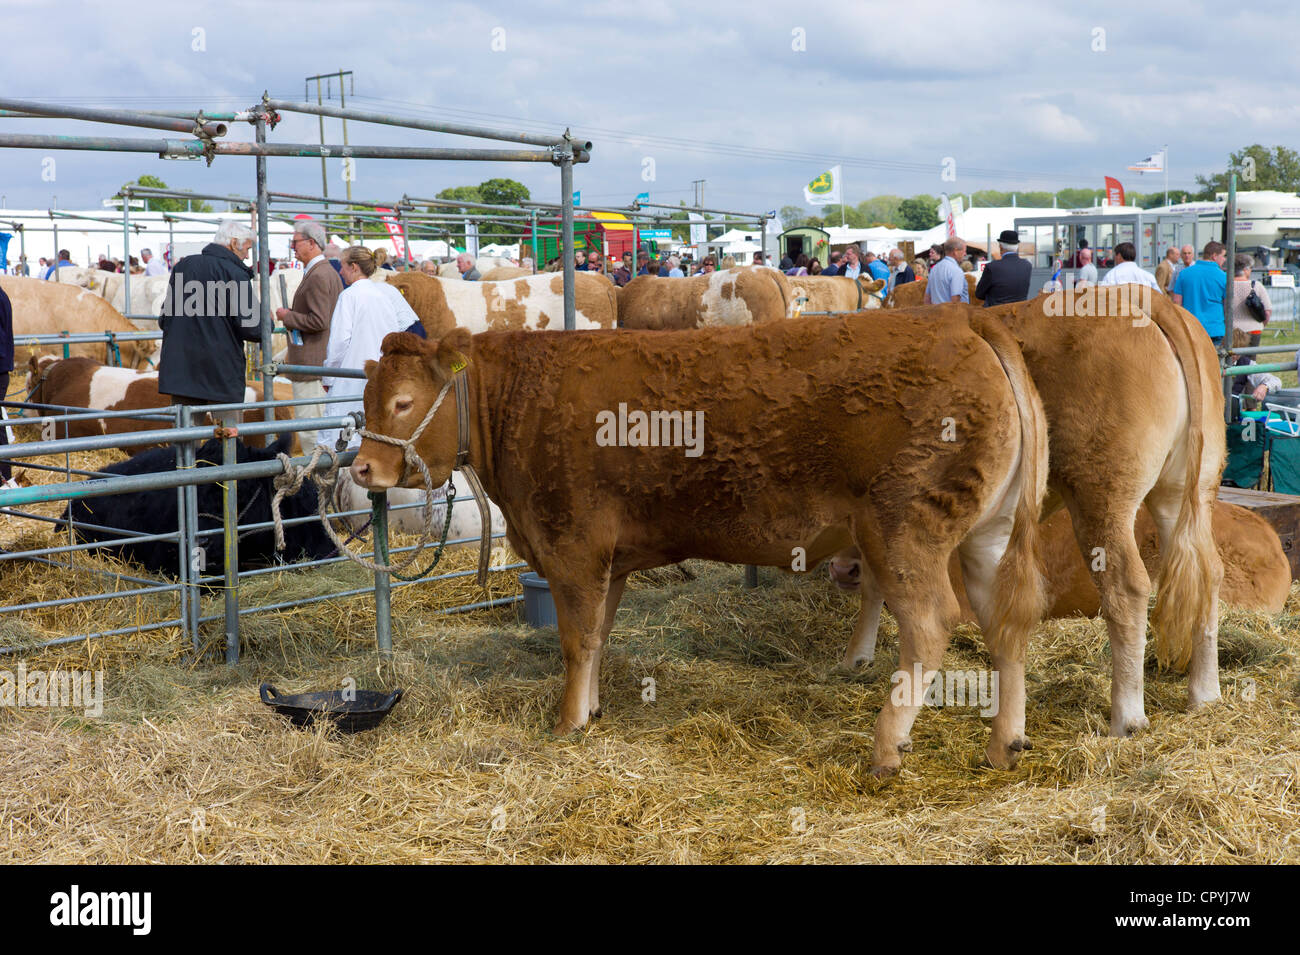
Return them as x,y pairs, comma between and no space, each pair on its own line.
1005,279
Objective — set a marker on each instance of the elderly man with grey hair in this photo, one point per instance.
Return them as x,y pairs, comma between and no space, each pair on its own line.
206,316
465,266
308,320
429,267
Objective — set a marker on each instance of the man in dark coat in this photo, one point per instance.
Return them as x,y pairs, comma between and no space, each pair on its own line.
208,313
6,364
1005,279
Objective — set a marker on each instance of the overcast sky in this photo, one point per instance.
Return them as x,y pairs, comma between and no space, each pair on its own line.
1029,97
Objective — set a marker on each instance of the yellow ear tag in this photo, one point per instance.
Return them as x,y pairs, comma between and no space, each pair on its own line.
403,291
460,364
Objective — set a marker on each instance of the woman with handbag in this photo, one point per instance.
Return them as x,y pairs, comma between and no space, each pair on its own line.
1251,308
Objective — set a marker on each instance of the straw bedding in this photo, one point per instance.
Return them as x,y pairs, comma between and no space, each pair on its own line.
755,748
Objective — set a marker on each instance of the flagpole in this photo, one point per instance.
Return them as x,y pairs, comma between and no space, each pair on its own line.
842,194
1166,165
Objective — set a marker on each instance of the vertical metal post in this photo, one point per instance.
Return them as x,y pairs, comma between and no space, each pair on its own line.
566,201
171,243
324,173
230,541
343,103
55,223
190,545
264,258
126,253
533,240
383,592
1229,287
762,238
751,576
22,250
183,546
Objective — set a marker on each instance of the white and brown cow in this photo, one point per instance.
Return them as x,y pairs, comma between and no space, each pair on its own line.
836,293
465,521
48,308
534,302
800,445
741,296
86,383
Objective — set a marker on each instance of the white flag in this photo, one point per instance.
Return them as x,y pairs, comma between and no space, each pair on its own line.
825,189
1153,163
699,231
945,214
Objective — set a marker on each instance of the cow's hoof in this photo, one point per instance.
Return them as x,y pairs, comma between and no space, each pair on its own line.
1008,756
1130,727
851,664
905,746
597,713
1196,703
885,770
567,727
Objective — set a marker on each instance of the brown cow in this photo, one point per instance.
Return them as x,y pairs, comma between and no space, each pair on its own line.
836,293
753,445
912,294
86,383
47,308
1256,572
739,296
1131,387
533,302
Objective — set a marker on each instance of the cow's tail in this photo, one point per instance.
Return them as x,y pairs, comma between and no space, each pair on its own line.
1019,589
1191,570
783,285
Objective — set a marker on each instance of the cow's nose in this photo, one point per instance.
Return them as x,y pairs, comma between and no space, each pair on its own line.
847,575
361,472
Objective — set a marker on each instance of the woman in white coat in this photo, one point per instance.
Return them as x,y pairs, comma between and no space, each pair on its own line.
366,311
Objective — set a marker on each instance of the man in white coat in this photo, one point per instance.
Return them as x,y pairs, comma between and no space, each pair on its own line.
366,311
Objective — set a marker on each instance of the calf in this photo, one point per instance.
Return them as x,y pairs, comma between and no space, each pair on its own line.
910,441
1256,572
154,512
86,383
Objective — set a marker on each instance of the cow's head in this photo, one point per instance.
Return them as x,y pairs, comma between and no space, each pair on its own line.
38,367
400,389
873,290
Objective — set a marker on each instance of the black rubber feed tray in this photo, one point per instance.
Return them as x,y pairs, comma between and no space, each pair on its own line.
350,716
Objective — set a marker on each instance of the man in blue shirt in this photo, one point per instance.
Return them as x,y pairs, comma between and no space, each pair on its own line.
1199,288
879,270
65,260
947,282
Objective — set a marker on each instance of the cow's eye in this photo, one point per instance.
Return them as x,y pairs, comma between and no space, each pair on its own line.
403,405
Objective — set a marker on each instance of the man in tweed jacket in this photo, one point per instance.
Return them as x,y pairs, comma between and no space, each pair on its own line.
308,320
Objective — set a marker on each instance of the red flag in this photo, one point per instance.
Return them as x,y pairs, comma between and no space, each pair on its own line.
395,231
1114,191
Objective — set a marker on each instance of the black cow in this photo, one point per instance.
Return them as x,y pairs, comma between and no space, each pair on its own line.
154,512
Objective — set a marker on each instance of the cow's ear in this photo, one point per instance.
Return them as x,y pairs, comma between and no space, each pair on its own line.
372,369
876,286
453,352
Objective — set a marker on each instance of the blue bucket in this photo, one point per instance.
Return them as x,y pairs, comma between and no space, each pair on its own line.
539,608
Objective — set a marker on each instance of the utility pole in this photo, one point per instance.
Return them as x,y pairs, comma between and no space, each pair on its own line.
328,77
697,187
